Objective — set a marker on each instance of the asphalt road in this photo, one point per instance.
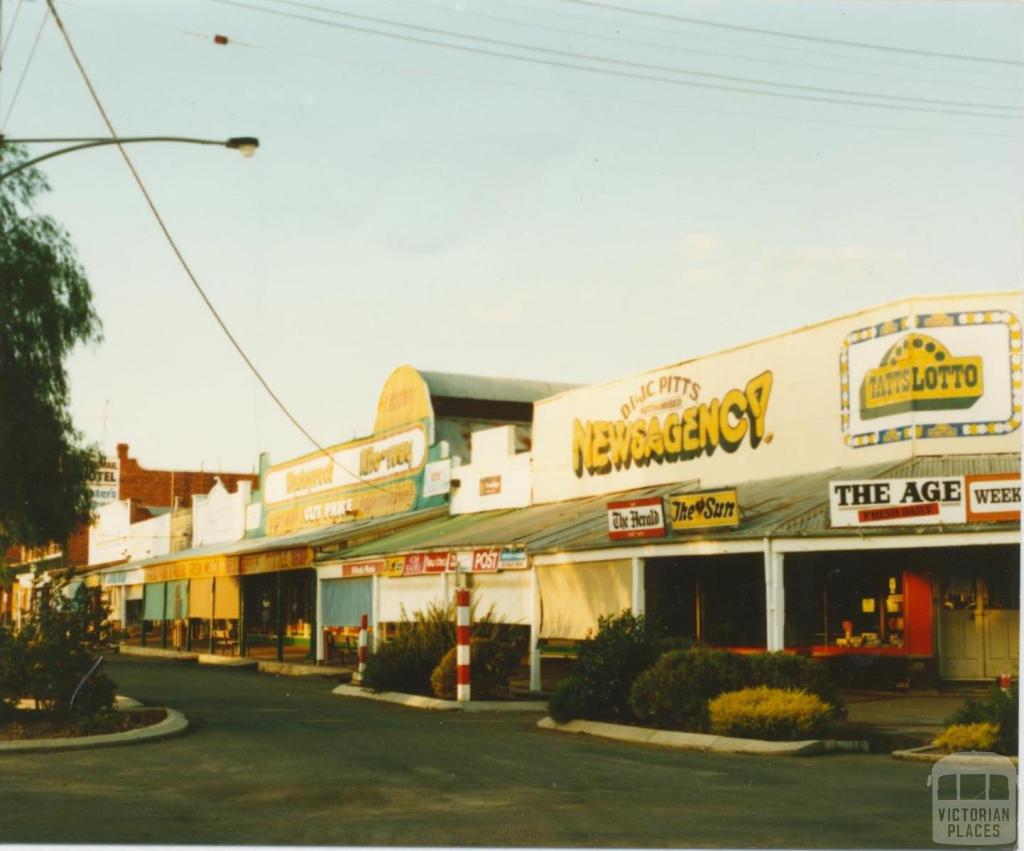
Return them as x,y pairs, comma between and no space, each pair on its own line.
279,760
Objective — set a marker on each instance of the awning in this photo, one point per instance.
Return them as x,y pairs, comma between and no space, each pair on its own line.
345,601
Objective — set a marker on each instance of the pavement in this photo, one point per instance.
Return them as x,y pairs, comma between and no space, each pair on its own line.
904,713
275,760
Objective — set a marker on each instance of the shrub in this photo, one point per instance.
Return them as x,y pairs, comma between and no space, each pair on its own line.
769,713
606,666
674,692
52,659
999,708
406,662
787,671
491,665
980,736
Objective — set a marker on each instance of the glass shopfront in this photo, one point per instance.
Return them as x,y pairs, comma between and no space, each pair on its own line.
278,613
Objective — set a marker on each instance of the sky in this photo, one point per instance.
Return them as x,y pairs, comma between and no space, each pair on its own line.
549,189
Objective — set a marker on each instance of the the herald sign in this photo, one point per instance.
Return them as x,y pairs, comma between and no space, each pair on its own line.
486,561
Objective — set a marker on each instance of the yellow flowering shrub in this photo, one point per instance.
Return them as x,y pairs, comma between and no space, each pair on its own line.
969,737
769,713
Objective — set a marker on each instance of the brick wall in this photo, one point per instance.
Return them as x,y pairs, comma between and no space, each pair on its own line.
159,487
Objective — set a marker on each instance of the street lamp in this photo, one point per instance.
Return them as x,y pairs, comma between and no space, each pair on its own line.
245,145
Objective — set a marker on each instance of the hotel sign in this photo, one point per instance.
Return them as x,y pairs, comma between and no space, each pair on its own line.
993,498
636,518
897,502
699,510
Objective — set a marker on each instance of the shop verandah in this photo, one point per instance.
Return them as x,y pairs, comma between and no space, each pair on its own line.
891,606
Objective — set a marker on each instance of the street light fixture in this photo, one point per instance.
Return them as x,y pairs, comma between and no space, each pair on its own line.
245,145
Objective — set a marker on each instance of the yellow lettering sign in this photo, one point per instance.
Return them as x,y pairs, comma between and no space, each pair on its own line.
599,446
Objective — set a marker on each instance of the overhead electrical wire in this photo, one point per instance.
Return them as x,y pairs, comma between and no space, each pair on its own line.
188,269
666,16
610,72
10,30
645,66
618,39
24,71
515,84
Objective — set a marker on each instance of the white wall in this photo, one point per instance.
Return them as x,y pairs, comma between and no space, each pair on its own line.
804,427
220,516
108,535
494,465
150,537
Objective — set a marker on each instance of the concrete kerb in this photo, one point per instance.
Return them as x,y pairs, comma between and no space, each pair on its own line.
700,741
174,724
418,701
929,753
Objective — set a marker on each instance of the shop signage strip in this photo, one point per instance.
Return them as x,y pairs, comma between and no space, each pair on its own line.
636,518
993,498
275,560
363,568
201,568
897,502
699,510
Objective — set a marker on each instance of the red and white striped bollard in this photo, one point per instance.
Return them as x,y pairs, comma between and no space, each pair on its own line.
462,645
362,645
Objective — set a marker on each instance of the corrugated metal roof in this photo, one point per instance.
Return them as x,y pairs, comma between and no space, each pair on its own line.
458,386
783,507
817,522
323,536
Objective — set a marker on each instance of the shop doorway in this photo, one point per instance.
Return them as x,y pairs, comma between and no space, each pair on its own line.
279,609
979,617
718,600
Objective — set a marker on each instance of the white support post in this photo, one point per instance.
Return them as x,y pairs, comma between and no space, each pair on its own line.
638,596
534,630
774,598
375,612
319,637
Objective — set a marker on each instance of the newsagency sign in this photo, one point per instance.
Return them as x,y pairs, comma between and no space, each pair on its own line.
897,502
931,375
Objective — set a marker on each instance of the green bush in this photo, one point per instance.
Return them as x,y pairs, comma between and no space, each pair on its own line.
51,659
491,665
999,708
788,671
769,713
406,662
674,692
606,666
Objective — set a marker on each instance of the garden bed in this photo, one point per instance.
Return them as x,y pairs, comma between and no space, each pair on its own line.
31,724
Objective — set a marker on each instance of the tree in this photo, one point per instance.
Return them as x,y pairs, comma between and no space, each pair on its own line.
45,310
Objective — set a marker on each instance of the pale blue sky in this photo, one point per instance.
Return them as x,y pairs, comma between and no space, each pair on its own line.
470,213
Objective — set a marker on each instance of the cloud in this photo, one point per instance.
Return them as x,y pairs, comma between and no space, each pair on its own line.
699,246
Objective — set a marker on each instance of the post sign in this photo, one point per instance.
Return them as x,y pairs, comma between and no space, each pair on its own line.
698,510
898,502
636,518
486,561
993,498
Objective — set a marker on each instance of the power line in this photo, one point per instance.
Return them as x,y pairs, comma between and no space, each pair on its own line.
188,268
618,39
645,66
10,30
24,72
665,16
485,81
606,71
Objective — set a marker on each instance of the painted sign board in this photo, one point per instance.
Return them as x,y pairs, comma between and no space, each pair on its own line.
928,375
362,568
104,487
699,510
437,478
897,502
486,560
512,558
993,498
636,518
437,562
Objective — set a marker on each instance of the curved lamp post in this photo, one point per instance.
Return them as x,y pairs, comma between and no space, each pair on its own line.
245,145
